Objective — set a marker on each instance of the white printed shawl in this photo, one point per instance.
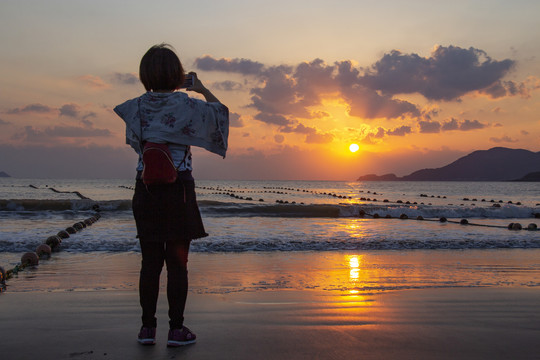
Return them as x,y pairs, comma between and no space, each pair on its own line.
175,118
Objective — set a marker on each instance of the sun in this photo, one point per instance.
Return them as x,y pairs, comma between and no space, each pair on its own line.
354,147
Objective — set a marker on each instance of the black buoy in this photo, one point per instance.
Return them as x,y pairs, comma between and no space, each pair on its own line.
53,241
30,259
532,226
403,216
419,217
516,226
464,222
63,234
376,216
361,213
43,251
443,219
77,226
71,230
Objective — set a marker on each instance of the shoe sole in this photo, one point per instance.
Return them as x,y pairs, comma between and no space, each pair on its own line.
147,341
172,343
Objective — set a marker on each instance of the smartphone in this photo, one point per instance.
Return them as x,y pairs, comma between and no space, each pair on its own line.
188,82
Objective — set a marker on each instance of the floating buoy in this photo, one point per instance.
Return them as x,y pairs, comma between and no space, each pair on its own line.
43,251
537,215
443,219
376,216
388,216
53,241
30,259
361,213
419,217
496,205
77,226
88,222
532,226
403,216
516,226
464,222
71,230
510,226
63,234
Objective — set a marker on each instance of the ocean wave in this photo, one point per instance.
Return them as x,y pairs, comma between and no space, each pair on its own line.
230,209
273,245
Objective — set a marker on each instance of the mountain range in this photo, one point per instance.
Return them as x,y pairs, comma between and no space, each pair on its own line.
496,164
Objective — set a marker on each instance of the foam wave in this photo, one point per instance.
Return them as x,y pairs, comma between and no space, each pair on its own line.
220,209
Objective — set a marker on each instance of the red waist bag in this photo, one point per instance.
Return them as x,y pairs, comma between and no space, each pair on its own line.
158,165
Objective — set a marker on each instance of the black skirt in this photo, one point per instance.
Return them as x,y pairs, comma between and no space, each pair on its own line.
167,212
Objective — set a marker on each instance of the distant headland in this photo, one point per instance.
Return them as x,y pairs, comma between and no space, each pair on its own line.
3,174
496,164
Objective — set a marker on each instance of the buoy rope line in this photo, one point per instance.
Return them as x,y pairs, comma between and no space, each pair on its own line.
511,226
45,250
63,192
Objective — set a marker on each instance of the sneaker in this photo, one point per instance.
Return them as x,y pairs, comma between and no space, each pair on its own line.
179,337
147,336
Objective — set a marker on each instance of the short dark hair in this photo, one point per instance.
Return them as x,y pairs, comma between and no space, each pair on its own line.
161,69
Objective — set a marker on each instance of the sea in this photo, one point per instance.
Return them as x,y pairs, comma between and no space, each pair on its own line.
245,216
343,236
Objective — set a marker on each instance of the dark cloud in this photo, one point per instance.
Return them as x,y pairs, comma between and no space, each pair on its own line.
40,136
4,122
449,73
429,127
227,85
502,139
235,120
399,131
242,66
70,110
524,132
284,91
506,88
125,78
300,128
273,119
36,108
468,125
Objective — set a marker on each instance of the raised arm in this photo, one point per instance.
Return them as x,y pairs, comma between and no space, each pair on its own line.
198,87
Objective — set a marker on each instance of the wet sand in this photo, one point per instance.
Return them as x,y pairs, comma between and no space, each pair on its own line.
59,311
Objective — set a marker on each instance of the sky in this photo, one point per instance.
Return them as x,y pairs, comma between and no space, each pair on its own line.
416,84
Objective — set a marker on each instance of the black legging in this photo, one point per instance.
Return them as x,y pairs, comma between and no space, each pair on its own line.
175,254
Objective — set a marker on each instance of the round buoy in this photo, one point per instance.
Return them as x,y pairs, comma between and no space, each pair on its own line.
537,215
63,234
516,226
53,241
361,213
419,217
77,226
30,259
44,251
88,222
403,216
442,219
376,216
464,222
388,216
532,226
71,230
496,205
510,226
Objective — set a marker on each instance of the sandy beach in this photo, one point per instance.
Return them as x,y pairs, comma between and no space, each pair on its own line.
66,309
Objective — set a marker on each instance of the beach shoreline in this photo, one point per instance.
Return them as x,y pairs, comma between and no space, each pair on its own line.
473,323
481,304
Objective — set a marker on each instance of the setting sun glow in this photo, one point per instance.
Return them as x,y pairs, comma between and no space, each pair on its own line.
354,147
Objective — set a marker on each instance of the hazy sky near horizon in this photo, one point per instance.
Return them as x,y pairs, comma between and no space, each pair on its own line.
415,84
